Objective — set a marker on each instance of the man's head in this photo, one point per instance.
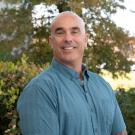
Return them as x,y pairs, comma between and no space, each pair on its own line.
68,38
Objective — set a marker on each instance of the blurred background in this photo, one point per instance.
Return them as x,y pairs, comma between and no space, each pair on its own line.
25,52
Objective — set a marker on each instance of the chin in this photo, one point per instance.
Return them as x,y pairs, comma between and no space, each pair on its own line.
67,60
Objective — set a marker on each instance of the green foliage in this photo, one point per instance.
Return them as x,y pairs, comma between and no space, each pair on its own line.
39,51
13,78
104,34
127,104
5,56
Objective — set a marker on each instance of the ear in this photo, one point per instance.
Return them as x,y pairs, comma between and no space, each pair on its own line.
50,41
86,39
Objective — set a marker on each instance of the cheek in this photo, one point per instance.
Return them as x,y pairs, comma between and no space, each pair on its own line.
57,43
56,48
54,44
82,43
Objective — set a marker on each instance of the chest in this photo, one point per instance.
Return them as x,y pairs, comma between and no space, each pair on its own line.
85,107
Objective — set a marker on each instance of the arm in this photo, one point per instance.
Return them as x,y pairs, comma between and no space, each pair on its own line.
122,133
37,111
118,127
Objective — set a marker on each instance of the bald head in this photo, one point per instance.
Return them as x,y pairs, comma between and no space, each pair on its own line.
68,39
67,14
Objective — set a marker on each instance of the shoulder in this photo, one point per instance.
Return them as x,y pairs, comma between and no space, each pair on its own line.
98,78
38,93
43,80
40,86
101,85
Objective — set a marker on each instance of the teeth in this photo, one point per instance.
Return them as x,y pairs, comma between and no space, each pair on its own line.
68,48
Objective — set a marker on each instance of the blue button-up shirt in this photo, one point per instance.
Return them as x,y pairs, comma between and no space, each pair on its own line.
57,102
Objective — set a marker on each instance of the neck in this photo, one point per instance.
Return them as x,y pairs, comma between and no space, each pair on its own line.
77,66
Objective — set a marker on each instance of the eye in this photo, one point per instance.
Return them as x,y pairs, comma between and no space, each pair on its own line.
60,32
75,31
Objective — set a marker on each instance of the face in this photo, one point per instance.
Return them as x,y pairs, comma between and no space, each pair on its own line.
68,39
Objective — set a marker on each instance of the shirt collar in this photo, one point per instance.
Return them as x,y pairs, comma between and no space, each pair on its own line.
68,72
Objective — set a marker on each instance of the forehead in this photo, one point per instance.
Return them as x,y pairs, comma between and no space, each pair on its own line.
66,21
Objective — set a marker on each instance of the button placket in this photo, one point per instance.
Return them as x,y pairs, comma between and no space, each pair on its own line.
92,109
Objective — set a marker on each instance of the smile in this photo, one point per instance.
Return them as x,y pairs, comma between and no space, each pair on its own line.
68,48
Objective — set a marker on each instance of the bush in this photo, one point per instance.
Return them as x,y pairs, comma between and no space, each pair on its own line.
127,104
13,78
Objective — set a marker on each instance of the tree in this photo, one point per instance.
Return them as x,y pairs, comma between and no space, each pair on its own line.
106,39
15,26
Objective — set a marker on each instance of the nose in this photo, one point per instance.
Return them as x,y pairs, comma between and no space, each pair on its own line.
68,37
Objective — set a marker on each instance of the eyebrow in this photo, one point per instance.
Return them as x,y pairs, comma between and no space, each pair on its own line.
75,28
60,28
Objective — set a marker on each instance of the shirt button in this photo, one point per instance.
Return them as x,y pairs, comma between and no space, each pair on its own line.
96,130
92,110
86,92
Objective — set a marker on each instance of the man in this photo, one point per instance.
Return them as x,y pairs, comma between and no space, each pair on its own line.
67,99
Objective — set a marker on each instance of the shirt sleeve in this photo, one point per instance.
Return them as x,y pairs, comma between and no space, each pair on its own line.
37,112
118,121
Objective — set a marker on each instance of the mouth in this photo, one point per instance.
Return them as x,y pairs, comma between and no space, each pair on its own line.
68,48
